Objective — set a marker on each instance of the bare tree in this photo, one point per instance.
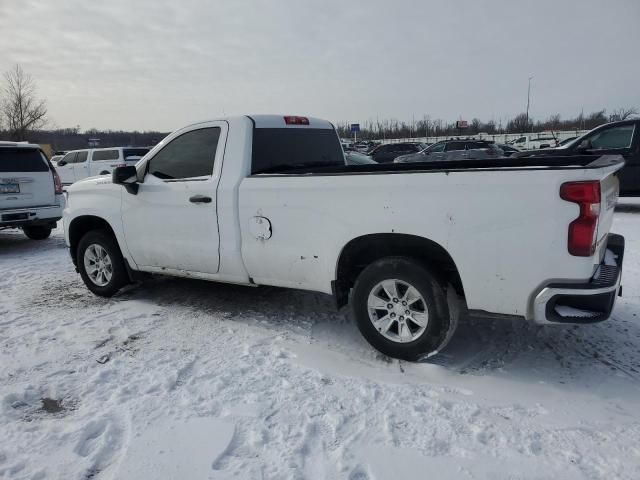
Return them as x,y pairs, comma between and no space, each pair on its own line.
21,109
622,114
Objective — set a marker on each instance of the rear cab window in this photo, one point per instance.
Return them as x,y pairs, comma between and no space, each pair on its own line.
22,160
282,150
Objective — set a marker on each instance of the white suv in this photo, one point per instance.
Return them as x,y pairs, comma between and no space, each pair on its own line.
90,162
30,190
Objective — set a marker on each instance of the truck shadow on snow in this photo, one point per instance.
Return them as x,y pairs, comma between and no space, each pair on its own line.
480,347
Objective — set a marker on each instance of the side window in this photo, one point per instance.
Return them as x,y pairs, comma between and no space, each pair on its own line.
81,157
438,147
70,157
105,155
190,155
408,148
616,137
451,146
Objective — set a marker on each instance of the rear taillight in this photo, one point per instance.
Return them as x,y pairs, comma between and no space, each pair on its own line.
293,120
56,182
583,230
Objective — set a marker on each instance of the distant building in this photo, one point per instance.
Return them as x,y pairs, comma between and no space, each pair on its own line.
93,142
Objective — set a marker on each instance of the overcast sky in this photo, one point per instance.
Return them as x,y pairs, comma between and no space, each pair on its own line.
160,64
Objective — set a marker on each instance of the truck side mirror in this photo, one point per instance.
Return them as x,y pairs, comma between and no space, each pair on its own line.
127,176
62,163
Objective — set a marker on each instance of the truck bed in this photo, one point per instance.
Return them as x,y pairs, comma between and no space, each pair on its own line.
507,163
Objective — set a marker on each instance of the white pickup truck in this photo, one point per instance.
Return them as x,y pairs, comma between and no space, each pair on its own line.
268,200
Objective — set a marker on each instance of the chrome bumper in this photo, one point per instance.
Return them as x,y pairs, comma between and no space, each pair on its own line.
589,302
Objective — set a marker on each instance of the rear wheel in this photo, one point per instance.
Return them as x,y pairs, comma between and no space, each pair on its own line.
37,232
100,263
401,308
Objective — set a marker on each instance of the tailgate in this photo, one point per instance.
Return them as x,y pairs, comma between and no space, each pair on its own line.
609,191
25,179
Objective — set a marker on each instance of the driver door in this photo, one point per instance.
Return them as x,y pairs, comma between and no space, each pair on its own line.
172,221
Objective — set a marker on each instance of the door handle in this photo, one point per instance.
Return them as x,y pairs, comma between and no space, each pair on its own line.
200,199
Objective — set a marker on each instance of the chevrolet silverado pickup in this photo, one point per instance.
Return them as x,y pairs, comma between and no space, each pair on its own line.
269,200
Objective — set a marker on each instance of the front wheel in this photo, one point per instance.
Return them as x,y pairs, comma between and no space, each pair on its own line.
401,308
37,232
100,263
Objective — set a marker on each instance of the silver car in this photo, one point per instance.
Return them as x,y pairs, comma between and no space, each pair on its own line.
447,150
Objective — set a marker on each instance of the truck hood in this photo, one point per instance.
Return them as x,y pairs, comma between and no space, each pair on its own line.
90,183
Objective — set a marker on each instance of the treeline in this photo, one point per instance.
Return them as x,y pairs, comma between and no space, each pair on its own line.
72,138
426,127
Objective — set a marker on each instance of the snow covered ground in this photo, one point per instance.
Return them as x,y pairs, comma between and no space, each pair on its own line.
186,379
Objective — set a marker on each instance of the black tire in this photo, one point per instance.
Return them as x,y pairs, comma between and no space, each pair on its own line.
37,232
119,276
428,285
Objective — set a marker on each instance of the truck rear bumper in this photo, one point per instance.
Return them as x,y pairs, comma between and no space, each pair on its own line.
588,302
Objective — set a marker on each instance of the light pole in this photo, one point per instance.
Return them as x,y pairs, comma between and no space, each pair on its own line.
528,98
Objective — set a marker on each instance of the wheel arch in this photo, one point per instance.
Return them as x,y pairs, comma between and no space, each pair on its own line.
363,250
79,226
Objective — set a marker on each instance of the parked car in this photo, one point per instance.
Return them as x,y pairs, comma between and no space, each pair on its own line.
30,190
454,150
534,141
507,150
80,164
365,146
268,200
616,138
357,158
386,153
